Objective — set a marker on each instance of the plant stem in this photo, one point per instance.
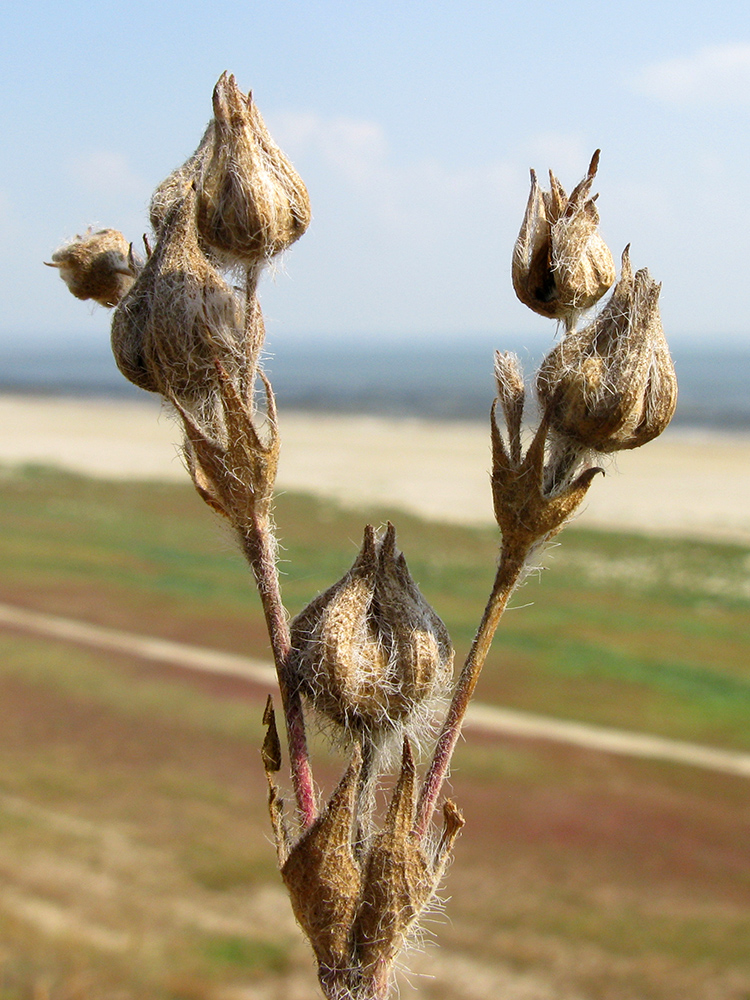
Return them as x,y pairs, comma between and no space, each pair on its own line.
258,544
508,573
255,330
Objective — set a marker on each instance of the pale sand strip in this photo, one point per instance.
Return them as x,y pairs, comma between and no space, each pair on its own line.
693,484
486,718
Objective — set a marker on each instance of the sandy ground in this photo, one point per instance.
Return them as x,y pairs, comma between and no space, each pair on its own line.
686,483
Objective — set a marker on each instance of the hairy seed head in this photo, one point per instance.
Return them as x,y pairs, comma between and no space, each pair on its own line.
179,316
612,385
370,650
97,266
561,265
252,204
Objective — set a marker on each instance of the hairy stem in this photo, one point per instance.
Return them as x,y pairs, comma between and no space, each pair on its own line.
255,330
508,573
258,544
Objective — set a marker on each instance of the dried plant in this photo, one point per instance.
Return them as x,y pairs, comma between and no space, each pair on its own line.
368,659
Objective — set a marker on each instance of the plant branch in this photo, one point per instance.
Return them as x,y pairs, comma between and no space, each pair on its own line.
509,570
258,544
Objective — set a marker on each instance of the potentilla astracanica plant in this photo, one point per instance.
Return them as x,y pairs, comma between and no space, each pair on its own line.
369,661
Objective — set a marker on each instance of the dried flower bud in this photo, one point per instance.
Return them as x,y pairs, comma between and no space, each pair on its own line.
561,265
97,266
252,204
370,650
168,329
612,386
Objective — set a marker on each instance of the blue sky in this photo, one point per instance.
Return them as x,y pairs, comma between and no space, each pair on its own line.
414,125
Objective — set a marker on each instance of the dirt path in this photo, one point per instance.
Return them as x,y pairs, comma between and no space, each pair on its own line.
484,718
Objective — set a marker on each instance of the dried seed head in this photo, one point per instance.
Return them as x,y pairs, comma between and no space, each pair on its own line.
252,204
97,266
612,385
179,316
561,265
370,651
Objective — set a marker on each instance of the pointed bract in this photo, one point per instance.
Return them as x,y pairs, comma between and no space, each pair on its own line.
527,513
324,877
400,879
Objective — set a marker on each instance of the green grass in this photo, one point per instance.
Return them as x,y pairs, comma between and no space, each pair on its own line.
622,630
249,956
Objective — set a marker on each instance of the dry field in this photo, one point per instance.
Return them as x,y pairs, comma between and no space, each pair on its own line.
134,851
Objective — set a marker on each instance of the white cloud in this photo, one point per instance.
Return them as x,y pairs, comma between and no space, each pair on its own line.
356,149
104,171
356,154
717,75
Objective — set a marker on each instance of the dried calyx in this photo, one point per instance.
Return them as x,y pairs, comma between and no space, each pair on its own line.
252,204
561,264
530,506
231,461
179,316
98,266
357,898
370,652
612,385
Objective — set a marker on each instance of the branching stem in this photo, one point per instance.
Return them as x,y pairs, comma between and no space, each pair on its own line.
508,573
258,544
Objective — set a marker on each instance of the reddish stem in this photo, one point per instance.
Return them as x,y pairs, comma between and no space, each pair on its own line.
258,544
508,573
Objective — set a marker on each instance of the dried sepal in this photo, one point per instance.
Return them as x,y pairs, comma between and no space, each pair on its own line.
233,465
511,395
271,750
400,879
324,878
271,756
527,511
370,651
561,264
281,837
98,265
179,317
612,385
252,204
453,823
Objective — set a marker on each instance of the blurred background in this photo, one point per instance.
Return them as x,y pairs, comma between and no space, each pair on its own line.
134,848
